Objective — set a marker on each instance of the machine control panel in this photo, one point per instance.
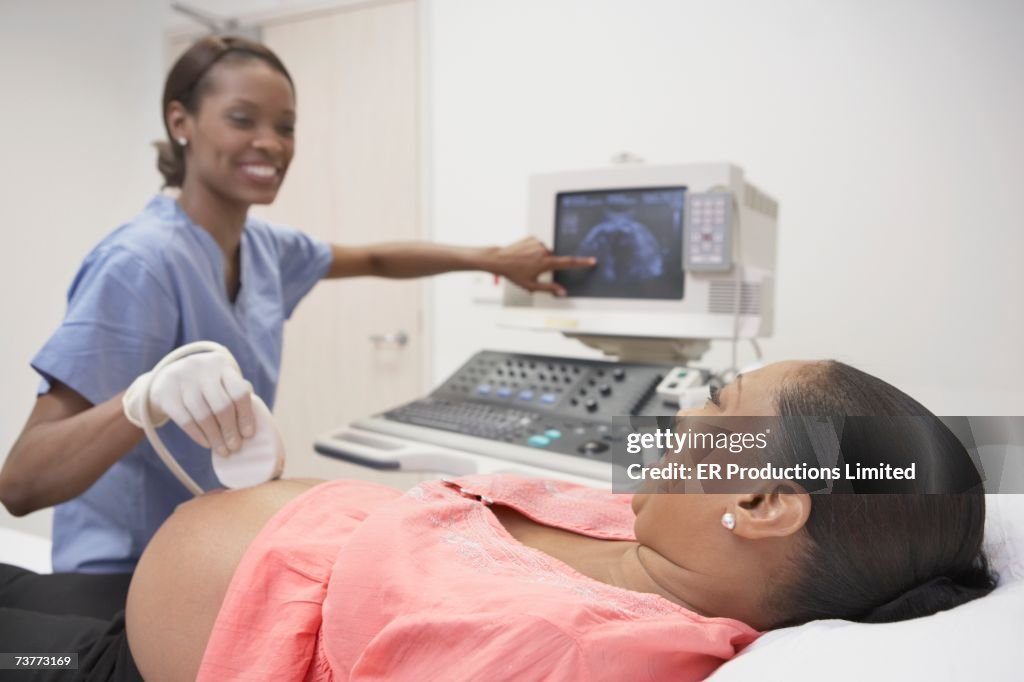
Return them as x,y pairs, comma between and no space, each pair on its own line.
707,242
558,404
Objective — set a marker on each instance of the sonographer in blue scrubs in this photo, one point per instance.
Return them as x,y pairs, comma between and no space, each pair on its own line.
153,285
191,267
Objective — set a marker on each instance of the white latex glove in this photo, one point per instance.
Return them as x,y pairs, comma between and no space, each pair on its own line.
200,388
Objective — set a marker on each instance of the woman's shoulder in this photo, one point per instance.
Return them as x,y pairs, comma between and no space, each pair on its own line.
147,244
147,231
150,235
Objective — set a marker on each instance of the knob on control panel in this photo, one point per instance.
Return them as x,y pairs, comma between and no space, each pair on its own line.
593,447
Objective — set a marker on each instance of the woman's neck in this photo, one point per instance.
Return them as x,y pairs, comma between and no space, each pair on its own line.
714,589
727,591
223,219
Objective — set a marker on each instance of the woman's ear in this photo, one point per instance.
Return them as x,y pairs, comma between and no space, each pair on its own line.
778,510
178,120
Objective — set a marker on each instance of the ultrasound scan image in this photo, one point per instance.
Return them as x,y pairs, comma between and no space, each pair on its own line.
636,236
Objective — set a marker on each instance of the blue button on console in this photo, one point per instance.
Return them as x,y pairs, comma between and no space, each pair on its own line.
548,398
504,392
538,441
526,395
483,389
553,433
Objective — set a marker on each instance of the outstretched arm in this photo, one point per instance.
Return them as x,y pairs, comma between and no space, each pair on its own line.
522,262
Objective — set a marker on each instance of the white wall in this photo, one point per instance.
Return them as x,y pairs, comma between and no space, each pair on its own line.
890,132
81,86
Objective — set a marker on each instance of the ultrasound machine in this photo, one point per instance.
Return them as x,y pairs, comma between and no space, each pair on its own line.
685,255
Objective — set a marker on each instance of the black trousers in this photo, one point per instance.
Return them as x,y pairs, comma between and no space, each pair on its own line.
66,613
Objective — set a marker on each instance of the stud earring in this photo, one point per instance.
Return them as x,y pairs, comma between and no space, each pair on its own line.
183,141
729,520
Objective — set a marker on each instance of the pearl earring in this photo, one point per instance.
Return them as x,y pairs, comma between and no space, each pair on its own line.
183,141
729,520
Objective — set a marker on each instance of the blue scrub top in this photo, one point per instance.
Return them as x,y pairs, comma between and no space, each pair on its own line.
150,286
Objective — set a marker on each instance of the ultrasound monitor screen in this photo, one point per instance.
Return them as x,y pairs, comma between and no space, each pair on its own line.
636,236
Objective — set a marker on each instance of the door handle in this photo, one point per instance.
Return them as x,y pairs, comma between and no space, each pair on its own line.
398,339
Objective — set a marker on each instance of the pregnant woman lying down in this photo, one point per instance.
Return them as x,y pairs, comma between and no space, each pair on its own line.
507,578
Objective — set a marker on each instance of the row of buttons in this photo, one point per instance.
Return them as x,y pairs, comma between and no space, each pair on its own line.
617,373
506,392
591,447
529,364
540,440
698,216
541,376
708,204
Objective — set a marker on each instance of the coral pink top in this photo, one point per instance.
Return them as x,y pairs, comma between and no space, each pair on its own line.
355,581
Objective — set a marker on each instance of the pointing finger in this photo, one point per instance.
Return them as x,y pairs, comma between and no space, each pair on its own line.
566,262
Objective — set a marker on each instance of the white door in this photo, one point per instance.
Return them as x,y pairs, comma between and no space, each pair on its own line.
355,179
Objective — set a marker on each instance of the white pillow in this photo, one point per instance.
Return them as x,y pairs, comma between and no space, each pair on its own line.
981,640
1004,536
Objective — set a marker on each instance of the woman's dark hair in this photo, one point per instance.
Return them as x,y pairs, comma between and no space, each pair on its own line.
882,557
189,80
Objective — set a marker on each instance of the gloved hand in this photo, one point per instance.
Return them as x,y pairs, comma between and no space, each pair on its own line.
200,387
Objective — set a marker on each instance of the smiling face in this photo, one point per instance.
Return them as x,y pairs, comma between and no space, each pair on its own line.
240,140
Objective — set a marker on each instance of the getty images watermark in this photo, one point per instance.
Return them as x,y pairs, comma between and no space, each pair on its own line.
821,454
667,440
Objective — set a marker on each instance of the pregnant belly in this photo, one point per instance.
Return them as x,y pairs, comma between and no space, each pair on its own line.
185,571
